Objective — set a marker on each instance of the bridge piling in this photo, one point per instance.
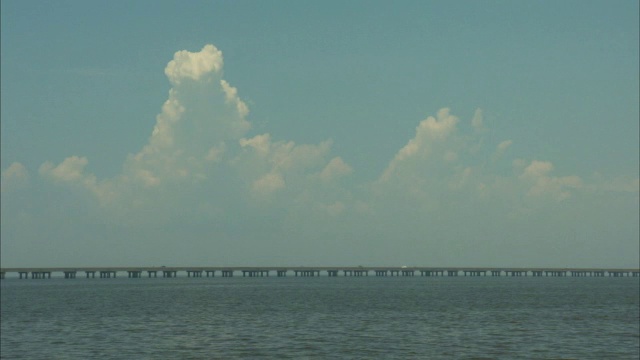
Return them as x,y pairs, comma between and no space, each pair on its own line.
134,273
227,273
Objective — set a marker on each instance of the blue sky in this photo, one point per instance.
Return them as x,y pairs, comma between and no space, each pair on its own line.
362,132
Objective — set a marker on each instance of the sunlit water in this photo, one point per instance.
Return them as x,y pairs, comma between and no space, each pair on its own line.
321,318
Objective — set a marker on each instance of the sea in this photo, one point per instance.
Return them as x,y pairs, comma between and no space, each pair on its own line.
321,318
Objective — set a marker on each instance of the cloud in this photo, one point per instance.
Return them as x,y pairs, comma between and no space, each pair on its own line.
260,143
231,96
537,176
194,65
430,132
14,176
268,184
477,121
70,170
271,166
203,172
503,146
196,122
198,140
336,168
447,167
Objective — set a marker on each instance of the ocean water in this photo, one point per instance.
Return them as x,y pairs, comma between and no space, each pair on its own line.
321,318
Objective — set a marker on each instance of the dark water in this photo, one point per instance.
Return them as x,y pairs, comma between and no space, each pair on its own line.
321,318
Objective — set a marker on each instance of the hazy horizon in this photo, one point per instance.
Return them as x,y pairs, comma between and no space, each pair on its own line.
320,133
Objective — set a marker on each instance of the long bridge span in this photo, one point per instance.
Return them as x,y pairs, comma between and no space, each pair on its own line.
309,271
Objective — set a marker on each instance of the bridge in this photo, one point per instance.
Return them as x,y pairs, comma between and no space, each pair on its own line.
304,271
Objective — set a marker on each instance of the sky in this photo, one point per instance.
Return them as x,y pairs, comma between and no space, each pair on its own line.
320,133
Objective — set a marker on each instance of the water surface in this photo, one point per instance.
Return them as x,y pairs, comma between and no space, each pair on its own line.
321,318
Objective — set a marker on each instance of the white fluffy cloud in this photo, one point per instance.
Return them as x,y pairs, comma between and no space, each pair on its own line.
70,170
231,96
444,166
199,137
202,128
195,123
194,65
430,134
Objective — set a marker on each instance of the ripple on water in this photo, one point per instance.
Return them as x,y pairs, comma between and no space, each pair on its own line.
436,318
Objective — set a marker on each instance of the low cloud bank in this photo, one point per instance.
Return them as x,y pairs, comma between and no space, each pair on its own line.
444,198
